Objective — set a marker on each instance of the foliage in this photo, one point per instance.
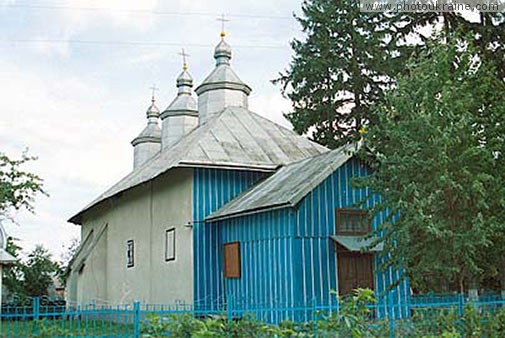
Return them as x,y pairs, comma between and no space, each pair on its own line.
44,328
30,278
38,271
154,326
12,274
18,188
439,154
350,321
353,317
340,70
66,258
348,59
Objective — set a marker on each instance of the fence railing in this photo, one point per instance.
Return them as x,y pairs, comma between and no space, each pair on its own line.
422,316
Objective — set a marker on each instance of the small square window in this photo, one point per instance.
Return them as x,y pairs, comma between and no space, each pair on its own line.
170,245
231,262
352,222
130,254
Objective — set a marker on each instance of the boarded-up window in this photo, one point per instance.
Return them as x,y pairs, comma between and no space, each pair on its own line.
352,222
231,260
170,245
129,253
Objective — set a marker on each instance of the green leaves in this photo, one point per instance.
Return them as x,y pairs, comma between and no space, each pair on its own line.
440,156
17,187
30,278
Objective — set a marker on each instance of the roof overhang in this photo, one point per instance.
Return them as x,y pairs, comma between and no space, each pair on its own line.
77,218
6,258
358,243
215,217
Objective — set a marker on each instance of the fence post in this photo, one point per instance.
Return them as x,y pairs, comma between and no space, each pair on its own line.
461,310
36,308
136,319
314,318
390,316
461,304
229,306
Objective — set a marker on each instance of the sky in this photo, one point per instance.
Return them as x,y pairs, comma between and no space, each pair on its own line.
75,80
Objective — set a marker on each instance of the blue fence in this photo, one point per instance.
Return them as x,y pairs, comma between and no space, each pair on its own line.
427,316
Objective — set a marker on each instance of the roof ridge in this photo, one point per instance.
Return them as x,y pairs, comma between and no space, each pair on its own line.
240,150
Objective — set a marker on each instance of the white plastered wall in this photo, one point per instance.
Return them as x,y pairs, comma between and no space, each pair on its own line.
142,214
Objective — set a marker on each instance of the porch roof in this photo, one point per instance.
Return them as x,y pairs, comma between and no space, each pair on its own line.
357,243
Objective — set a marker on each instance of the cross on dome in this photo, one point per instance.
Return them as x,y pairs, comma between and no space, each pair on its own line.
184,60
223,20
153,89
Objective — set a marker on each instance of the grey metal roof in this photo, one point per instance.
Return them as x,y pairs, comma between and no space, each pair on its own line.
288,186
357,243
236,138
6,258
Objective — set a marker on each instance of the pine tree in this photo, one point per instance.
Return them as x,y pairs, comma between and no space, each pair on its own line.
339,71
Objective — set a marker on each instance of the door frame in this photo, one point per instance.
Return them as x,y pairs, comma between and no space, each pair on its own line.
340,250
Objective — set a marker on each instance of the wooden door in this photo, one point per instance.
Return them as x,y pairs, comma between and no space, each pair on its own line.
354,271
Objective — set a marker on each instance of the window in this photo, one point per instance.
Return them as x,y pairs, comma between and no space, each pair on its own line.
352,222
129,254
170,245
231,260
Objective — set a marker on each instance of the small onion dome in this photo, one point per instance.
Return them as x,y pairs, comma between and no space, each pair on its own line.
184,103
223,76
222,52
152,132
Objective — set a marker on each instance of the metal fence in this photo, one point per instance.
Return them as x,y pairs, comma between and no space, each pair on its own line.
427,316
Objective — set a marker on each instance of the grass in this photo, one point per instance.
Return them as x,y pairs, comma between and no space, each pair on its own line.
60,327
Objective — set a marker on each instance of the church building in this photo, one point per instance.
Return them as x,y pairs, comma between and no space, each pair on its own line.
223,203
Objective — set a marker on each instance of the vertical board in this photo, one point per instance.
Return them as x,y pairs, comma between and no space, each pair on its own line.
212,188
315,222
287,257
267,280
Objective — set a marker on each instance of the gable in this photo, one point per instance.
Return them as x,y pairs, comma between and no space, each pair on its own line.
288,186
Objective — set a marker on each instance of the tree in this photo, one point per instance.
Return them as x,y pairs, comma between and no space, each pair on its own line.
340,70
17,187
349,58
439,154
66,258
38,272
13,274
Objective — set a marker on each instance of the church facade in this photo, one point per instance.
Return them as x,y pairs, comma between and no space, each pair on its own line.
225,203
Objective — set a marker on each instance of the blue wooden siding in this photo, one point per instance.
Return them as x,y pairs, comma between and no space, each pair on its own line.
211,189
315,221
269,277
287,256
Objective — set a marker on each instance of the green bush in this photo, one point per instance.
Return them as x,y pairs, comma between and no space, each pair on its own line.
354,319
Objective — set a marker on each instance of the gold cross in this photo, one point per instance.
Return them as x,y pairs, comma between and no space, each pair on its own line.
154,89
223,20
184,61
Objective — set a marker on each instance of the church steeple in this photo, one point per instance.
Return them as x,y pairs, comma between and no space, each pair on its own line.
181,116
148,143
222,88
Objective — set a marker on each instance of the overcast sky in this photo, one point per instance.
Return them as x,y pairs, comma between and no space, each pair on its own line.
77,103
